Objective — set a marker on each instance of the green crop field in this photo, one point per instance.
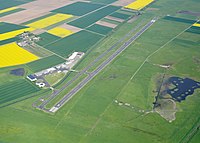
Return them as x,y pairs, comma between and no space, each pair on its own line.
8,27
194,29
11,12
117,105
45,63
177,19
11,3
78,8
87,20
73,43
120,15
7,41
15,90
103,1
100,29
47,38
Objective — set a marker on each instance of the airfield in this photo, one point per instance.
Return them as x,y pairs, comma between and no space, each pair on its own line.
111,71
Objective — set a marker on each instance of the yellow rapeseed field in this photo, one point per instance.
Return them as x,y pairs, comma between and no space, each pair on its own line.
7,9
49,21
196,24
139,4
12,54
12,34
61,32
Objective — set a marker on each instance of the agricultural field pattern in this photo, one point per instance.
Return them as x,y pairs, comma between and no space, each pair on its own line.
99,71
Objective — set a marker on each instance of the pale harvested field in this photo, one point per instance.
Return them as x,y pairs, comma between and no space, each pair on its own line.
107,24
39,31
71,28
114,18
122,2
34,10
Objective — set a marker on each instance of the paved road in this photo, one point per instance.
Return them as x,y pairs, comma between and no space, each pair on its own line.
103,65
57,92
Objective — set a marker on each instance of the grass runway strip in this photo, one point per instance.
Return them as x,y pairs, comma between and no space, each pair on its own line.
12,54
139,4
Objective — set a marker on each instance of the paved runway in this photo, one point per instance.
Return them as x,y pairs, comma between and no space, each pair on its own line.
103,65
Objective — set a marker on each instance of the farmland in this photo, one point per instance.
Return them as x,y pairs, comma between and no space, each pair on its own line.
15,90
49,21
87,20
78,8
123,103
12,54
75,42
60,32
139,4
45,63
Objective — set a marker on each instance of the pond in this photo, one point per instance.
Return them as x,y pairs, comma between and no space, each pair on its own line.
183,87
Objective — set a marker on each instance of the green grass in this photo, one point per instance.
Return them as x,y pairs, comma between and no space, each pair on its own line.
8,27
54,78
74,43
45,63
78,8
196,138
100,29
87,20
91,116
180,19
17,89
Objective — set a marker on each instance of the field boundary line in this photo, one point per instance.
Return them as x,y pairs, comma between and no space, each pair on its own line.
147,58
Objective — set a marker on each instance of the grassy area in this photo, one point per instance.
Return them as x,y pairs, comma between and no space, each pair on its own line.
93,116
54,78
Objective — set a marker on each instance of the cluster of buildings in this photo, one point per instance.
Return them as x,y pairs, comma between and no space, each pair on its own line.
27,38
64,67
